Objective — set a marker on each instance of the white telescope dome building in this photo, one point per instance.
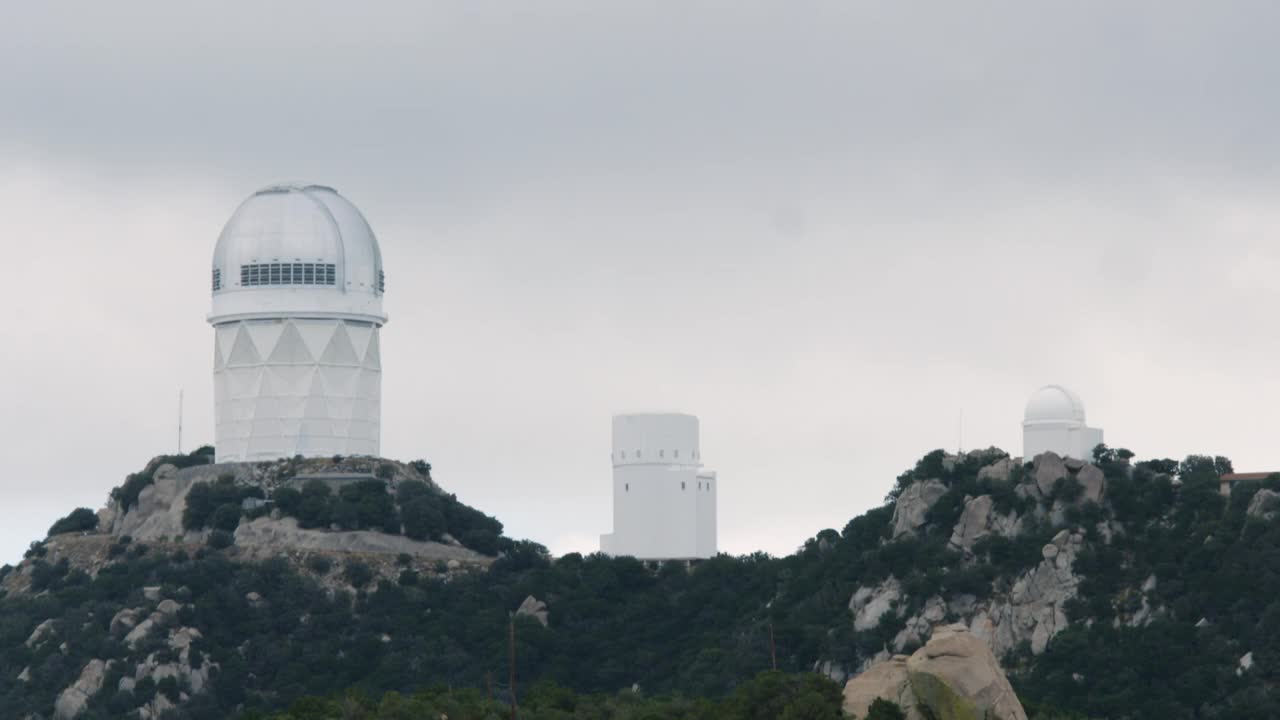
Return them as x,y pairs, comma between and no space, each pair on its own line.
664,503
1054,422
297,307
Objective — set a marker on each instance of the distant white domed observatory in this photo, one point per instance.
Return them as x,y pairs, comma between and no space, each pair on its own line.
1054,422
664,503
297,307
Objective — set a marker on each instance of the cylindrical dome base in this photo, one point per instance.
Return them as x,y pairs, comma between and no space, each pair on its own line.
296,386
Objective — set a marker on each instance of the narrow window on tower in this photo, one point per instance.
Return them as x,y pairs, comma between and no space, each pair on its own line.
681,484
274,276
309,273
297,273
677,452
329,278
627,487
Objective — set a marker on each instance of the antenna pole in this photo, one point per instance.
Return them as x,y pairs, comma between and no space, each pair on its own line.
180,422
961,448
511,649
773,654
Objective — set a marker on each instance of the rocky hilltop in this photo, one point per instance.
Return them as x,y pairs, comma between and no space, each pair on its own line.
1026,609
1112,588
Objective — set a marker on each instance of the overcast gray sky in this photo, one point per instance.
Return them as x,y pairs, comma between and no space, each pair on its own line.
826,229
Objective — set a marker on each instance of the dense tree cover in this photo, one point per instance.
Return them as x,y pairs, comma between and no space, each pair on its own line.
423,513
699,632
80,520
768,696
1216,597
216,505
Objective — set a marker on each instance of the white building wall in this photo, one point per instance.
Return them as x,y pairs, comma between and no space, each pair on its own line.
1064,439
663,505
296,386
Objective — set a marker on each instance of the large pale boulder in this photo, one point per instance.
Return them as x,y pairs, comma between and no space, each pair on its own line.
1047,470
886,680
1093,482
953,677
956,677
998,471
75,699
913,504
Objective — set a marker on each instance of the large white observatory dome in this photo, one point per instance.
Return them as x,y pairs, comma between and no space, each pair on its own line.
1054,422
297,248
297,313
1054,404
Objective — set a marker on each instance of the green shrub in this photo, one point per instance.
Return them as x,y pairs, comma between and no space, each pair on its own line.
882,709
219,539
319,564
80,520
226,517
358,573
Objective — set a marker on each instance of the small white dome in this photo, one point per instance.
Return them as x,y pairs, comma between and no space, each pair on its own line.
310,229
1054,404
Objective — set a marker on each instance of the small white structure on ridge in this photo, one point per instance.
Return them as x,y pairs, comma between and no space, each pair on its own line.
1054,422
297,306
664,504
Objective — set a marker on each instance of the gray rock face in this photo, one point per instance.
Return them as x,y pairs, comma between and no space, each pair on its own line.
534,608
1048,469
158,512
978,520
42,632
953,676
1035,608
910,509
285,533
165,614
1093,482
868,605
888,680
920,626
1263,502
124,621
75,699
998,471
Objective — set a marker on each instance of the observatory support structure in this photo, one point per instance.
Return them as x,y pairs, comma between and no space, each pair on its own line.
664,503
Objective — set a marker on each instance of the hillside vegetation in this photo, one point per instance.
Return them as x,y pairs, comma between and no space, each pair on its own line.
1116,589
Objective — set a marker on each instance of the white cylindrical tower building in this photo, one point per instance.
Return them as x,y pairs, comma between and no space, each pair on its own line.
664,504
297,307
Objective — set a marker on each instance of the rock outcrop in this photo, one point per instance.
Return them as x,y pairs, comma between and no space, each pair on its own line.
1047,471
42,632
273,534
534,608
953,677
1029,607
979,519
1035,608
914,503
868,604
1264,503
75,699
